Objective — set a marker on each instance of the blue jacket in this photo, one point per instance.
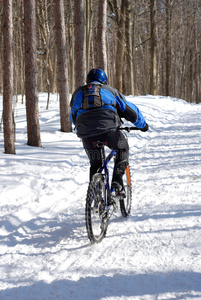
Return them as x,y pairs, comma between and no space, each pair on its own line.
93,120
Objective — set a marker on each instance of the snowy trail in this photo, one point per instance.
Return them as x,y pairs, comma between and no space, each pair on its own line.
154,254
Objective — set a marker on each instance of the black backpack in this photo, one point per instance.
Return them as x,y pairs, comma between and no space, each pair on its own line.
91,96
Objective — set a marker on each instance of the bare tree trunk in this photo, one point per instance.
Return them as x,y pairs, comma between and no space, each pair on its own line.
44,22
153,73
8,78
88,31
71,54
79,50
120,46
197,69
22,65
49,69
168,47
189,84
101,35
129,51
62,66
31,92
134,60
1,52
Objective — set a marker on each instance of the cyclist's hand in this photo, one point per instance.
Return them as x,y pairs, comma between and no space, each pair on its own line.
145,128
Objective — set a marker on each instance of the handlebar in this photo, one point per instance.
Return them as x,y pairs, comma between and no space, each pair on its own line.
128,129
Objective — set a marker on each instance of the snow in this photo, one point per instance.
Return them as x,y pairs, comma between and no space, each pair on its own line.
153,254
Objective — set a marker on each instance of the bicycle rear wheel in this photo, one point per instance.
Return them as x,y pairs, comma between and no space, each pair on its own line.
95,213
125,203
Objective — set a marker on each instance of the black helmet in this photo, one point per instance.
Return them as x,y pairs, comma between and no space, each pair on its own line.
97,75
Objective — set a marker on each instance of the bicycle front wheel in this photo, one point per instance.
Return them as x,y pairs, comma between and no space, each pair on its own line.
126,202
95,213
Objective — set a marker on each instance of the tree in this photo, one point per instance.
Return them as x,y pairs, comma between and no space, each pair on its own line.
168,10
31,92
129,50
62,66
170,54
45,39
197,65
80,45
101,35
8,78
88,30
153,72
70,36
120,18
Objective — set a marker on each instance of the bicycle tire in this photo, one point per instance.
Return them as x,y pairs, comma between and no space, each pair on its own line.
125,203
95,213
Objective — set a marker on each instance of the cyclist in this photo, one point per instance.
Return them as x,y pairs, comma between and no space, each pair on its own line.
96,112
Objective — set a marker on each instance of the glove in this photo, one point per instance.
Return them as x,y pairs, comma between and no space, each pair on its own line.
145,128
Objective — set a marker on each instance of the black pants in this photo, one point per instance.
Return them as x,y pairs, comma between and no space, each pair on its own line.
115,141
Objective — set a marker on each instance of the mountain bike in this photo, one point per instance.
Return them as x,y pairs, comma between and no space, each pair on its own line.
101,200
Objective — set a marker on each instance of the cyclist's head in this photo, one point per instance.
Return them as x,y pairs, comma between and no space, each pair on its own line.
97,75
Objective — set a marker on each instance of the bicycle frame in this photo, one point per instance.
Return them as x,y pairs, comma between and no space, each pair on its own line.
105,161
